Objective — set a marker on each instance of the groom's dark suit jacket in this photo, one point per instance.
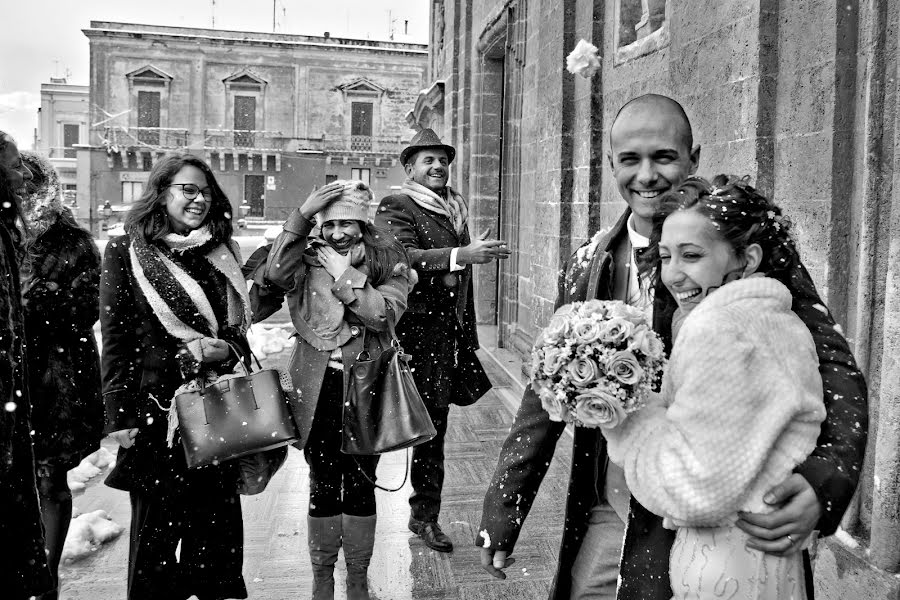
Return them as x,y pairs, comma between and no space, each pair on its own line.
832,469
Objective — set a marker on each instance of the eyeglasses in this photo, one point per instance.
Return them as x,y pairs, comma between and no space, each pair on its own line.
191,191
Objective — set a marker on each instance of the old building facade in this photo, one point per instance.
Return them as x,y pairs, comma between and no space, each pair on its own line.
802,96
274,114
63,120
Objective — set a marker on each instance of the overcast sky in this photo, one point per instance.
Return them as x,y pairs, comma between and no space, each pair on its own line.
43,38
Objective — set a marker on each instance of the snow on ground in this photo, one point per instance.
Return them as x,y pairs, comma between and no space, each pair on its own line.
845,538
89,468
269,339
87,533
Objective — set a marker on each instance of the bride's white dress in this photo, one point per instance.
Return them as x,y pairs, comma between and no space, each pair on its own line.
740,407
713,562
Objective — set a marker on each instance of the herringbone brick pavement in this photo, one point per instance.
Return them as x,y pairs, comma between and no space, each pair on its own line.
276,563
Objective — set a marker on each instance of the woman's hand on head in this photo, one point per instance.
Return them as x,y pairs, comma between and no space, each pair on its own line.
213,350
124,437
321,198
333,261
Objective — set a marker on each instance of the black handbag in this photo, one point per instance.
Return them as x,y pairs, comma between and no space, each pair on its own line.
235,417
383,410
256,470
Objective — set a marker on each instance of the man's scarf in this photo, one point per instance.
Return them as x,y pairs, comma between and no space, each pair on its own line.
453,206
177,299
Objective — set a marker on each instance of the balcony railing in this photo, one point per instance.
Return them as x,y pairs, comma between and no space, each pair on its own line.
147,137
221,139
362,143
61,152
152,138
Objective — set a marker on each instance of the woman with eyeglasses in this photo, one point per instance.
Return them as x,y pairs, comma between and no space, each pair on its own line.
172,298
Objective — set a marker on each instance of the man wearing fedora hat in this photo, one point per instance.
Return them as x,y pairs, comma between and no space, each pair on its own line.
438,329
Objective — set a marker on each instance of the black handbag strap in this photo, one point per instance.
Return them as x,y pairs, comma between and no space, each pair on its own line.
240,357
382,488
394,340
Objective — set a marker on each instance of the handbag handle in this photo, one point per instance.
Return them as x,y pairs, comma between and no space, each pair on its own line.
238,354
395,341
382,488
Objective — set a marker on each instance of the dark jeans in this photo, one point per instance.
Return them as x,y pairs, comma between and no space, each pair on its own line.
209,526
336,481
427,470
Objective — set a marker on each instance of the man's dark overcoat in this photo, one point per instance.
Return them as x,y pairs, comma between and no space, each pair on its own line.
438,328
832,469
23,562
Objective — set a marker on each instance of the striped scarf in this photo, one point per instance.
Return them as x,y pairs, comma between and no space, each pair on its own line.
177,299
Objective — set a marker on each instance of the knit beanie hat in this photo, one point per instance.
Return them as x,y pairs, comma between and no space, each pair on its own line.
352,205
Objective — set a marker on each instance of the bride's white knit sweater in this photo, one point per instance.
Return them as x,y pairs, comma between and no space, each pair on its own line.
740,407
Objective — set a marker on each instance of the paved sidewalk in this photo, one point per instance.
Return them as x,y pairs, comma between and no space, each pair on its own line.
276,563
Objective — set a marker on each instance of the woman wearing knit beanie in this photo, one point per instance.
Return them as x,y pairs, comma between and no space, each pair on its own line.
346,288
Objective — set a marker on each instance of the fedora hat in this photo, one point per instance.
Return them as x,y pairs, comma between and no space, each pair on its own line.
426,138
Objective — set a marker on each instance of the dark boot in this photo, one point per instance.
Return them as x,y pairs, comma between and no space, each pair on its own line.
324,542
359,538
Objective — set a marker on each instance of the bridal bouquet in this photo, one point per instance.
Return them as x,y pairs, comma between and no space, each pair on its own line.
596,362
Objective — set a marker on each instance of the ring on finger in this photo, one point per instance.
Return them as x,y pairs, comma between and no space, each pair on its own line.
790,539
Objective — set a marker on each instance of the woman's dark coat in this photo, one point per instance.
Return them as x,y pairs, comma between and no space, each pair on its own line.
439,328
61,307
141,370
23,562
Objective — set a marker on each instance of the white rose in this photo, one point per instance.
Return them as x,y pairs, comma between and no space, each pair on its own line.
557,410
554,358
616,331
583,372
587,331
584,60
596,408
593,307
629,313
624,367
654,346
556,331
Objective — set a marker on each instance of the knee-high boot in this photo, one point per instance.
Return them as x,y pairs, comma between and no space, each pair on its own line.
359,538
324,542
